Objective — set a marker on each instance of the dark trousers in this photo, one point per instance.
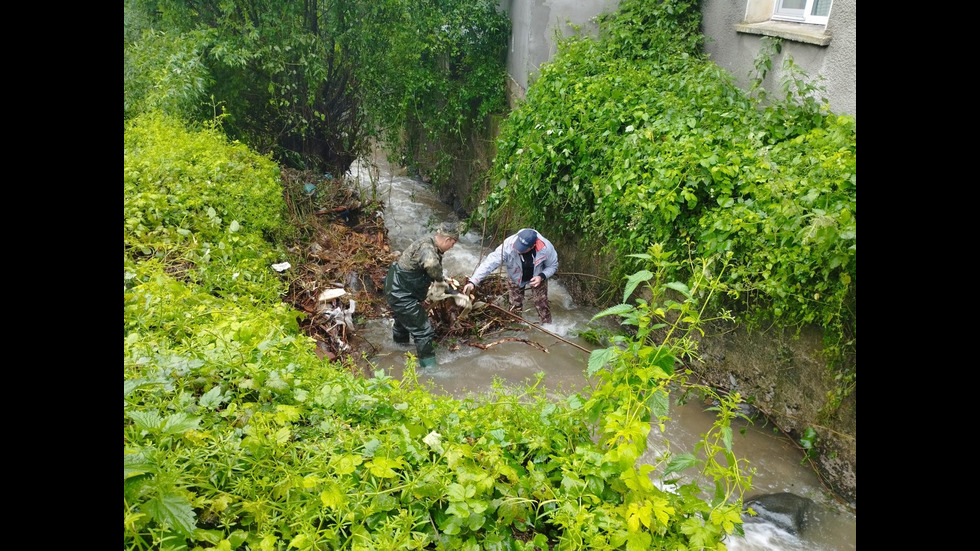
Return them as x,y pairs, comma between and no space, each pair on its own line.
412,319
402,290
539,295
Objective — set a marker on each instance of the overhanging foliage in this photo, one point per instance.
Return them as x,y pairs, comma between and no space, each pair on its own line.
312,81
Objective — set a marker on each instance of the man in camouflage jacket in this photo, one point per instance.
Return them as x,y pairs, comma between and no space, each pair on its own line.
406,286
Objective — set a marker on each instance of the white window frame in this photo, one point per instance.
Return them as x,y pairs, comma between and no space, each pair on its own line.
779,13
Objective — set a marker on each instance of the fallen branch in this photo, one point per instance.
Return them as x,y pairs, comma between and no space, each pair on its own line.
509,339
539,328
579,274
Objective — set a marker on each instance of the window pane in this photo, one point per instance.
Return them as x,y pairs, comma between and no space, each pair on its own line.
820,7
792,4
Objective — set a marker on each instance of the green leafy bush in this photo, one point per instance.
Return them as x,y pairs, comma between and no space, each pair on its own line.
205,207
309,83
431,72
236,436
635,139
272,71
166,72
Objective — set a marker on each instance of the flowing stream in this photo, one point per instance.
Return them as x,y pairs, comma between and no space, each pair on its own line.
412,210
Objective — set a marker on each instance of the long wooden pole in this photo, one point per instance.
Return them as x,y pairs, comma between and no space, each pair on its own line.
538,327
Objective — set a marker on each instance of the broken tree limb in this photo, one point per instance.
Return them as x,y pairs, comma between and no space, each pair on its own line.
510,339
579,274
538,327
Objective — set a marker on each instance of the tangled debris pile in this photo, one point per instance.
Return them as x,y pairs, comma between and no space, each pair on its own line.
339,267
455,323
340,259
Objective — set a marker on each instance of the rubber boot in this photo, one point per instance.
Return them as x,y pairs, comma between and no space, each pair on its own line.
428,362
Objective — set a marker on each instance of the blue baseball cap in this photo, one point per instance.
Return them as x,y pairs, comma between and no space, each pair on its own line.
526,240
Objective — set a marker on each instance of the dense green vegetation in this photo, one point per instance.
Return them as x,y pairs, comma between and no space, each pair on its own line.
710,198
311,82
432,72
236,436
635,140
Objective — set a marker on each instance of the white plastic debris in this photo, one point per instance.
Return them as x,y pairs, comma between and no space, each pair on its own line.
340,318
349,316
331,294
282,266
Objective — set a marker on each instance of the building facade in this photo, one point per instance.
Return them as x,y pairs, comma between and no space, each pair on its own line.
819,35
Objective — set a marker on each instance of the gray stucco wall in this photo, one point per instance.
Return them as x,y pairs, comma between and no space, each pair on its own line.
534,23
835,62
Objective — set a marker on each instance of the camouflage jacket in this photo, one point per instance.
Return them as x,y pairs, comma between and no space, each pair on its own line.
423,256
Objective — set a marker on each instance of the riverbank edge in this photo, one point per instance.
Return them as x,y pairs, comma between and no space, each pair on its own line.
780,372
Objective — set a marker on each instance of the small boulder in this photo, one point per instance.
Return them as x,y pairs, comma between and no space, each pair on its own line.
785,510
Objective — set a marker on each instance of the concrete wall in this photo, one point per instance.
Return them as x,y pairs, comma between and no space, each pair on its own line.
534,23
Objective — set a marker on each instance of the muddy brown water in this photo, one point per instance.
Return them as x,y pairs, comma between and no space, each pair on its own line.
413,210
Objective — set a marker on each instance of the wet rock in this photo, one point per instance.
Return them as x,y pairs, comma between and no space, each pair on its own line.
785,510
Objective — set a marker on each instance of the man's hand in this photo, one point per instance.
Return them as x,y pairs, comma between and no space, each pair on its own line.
535,281
468,288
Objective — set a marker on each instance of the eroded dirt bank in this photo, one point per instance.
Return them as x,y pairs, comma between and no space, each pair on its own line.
784,376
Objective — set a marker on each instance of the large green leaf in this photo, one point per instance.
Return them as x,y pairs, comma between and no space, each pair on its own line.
726,436
614,310
680,462
638,541
665,361
680,288
179,423
130,385
659,403
634,280
135,464
333,495
598,358
212,398
148,420
173,511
